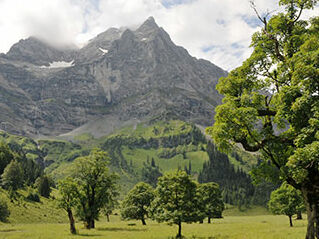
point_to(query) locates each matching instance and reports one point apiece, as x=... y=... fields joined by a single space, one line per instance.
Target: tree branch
x=266 y=112
x=247 y=146
x=299 y=15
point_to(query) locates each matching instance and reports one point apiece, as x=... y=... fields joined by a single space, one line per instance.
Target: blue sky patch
x=221 y=22
x=171 y=3
x=236 y=45
x=208 y=48
x=252 y=21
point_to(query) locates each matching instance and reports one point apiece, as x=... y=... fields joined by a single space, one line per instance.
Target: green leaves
x=271 y=102
x=90 y=188
x=12 y=177
x=286 y=200
x=176 y=199
x=69 y=193
x=211 y=199
x=304 y=158
x=137 y=202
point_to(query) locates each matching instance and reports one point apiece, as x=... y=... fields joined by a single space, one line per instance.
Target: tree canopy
x=176 y=200
x=6 y=156
x=12 y=177
x=211 y=198
x=286 y=200
x=137 y=202
x=271 y=102
x=95 y=185
x=69 y=199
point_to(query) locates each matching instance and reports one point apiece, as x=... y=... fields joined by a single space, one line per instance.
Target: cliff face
x=119 y=78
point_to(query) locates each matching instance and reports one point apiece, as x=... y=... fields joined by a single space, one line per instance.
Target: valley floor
x=231 y=227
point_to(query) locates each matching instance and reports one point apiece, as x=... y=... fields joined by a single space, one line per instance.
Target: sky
x=217 y=30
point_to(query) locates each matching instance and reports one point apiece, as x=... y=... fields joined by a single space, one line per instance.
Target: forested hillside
x=143 y=153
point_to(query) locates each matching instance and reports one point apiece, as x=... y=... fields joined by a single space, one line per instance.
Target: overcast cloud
x=219 y=31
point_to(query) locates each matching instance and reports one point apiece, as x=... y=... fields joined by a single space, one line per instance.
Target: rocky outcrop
x=120 y=77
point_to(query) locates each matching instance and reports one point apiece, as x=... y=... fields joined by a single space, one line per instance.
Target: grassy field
x=139 y=156
x=231 y=227
x=44 y=221
x=31 y=220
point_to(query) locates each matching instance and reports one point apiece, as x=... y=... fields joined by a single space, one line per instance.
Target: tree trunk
x=311 y=223
x=71 y=220
x=312 y=206
x=299 y=215
x=90 y=224
x=143 y=221
x=209 y=220
x=108 y=217
x=179 y=234
x=317 y=220
x=290 y=221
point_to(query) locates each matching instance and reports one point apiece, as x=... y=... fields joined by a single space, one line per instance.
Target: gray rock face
x=37 y=52
x=120 y=77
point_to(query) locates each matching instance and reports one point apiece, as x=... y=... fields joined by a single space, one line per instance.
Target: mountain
x=120 y=78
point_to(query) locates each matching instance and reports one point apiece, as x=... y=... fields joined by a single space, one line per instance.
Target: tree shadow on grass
x=88 y=235
x=10 y=230
x=120 y=229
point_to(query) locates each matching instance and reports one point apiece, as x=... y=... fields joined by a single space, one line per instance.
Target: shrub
x=4 y=210
x=33 y=196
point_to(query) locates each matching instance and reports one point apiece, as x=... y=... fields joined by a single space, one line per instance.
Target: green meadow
x=44 y=221
x=230 y=227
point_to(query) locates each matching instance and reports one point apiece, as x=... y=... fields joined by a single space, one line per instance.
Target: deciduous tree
x=137 y=202
x=210 y=196
x=95 y=184
x=271 y=102
x=69 y=199
x=12 y=177
x=4 y=210
x=176 y=200
x=286 y=200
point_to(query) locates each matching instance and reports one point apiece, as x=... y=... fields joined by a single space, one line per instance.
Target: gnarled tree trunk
x=312 y=205
x=71 y=220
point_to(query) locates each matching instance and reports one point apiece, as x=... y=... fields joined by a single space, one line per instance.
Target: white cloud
x=219 y=31
x=57 y=21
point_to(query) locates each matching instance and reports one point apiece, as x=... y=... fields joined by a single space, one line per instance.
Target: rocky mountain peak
x=119 y=78
x=37 y=52
x=148 y=28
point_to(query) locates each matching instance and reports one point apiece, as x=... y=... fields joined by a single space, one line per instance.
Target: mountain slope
x=120 y=78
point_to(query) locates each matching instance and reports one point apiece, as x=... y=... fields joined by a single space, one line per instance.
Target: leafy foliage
x=6 y=156
x=137 y=202
x=286 y=200
x=176 y=200
x=44 y=184
x=4 y=210
x=271 y=102
x=33 y=196
x=69 y=199
x=211 y=198
x=95 y=185
x=12 y=177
